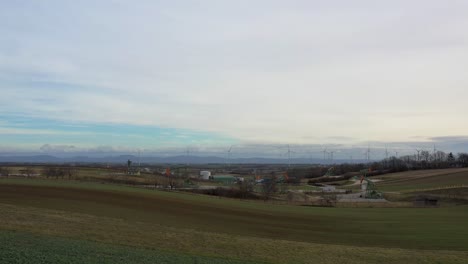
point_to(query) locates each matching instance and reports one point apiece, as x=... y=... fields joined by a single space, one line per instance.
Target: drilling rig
x=370 y=192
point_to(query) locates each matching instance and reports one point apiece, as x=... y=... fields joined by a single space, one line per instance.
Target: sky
x=114 y=75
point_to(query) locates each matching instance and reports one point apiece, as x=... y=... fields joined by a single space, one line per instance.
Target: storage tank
x=205 y=175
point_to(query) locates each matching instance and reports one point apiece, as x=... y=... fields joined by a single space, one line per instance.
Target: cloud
x=16 y=131
x=453 y=139
x=57 y=148
x=275 y=72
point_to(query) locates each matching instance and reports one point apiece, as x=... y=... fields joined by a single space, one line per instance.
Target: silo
x=205 y=175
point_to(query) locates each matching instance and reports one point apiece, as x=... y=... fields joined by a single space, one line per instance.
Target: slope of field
x=238 y=230
x=423 y=179
x=20 y=247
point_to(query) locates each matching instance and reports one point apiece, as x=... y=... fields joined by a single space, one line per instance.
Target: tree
x=246 y=187
x=269 y=186
x=463 y=159
x=54 y=172
x=172 y=182
x=70 y=172
x=425 y=155
x=439 y=156
x=29 y=171
x=4 y=171
x=450 y=158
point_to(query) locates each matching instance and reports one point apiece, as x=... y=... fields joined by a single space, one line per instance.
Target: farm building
x=225 y=179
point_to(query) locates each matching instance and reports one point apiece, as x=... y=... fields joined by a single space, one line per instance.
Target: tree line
x=422 y=160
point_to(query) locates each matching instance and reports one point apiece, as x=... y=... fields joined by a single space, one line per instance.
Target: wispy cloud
x=277 y=72
x=18 y=131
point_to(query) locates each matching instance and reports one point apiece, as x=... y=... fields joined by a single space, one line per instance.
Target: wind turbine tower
x=324 y=154
x=367 y=153
x=289 y=156
x=228 y=155
x=419 y=151
x=331 y=155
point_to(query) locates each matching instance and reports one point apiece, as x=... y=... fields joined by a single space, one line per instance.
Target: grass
x=239 y=230
x=411 y=181
x=186 y=242
x=445 y=197
x=424 y=179
x=20 y=247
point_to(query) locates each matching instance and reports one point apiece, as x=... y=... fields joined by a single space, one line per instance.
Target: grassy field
x=216 y=230
x=423 y=179
x=21 y=247
x=410 y=181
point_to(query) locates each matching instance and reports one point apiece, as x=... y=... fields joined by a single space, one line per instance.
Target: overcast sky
x=161 y=74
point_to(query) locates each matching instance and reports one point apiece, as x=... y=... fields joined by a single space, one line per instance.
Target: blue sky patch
x=22 y=130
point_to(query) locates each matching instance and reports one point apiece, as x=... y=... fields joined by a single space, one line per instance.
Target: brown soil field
x=295 y=223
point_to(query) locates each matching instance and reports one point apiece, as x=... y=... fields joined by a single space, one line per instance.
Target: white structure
x=205 y=175
x=364 y=186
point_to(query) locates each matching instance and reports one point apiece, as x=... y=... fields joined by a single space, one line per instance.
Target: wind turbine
x=418 y=151
x=434 y=150
x=325 y=152
x=228 y=155
x=289 y=155
x=367 y=153
x=331 y=154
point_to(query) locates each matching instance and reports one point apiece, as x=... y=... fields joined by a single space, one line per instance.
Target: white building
x=205 y=175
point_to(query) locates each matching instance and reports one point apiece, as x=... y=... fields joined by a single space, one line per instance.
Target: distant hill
x=31 y=159
x=162 y=160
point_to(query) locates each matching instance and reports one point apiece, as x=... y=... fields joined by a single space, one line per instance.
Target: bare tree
x=328 y=199
x=425 y=155
x=269 y=186
x=4 y=171
x=29 y=171
x=172 y=182
x=246 y=187
x=70 y=172
x=463 y=159
x=450 y=158
x=53 y=172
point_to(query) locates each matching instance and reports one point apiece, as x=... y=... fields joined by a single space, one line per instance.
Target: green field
x=20 y=247
x=201 y=229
